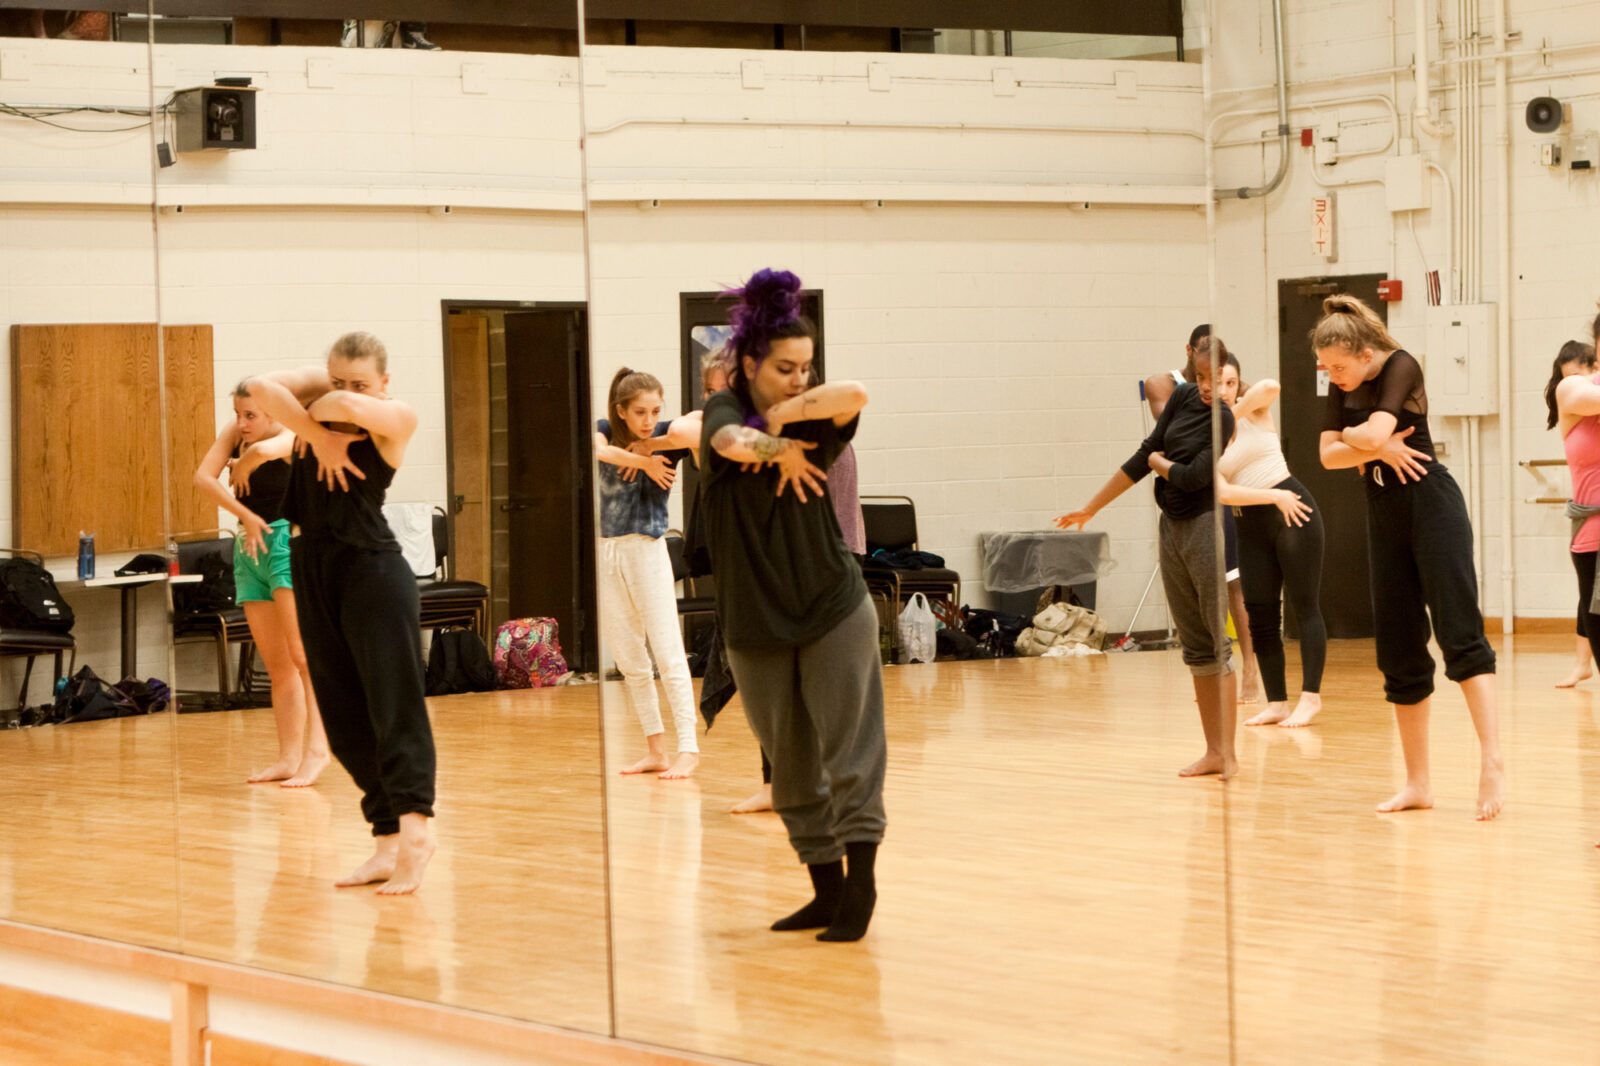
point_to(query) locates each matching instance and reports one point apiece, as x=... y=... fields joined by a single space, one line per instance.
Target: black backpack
x=459 y=662
x=215 y=591
x=87 y=698
x=29 y=598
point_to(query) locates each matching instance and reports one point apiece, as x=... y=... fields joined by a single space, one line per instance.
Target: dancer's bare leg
x=1275 y=713
x=288 y=708
x=411 y=862
x=314 y=757
x=1250 y=679
x=682 y=767
x=656 y=761
x=761 y=801
x=1412 y=720
x=1309 y=707
x=380 y=867
x=1582 y=666
x=1483 y=705
x=1216 y=696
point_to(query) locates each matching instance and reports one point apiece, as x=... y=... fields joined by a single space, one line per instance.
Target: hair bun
x=769 y=301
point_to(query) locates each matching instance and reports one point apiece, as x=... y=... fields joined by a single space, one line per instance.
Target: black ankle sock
x=827 y=879
x=860 y=895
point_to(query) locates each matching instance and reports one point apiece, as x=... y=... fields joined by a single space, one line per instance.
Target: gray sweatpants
x=1189 y=573
x=818 y=712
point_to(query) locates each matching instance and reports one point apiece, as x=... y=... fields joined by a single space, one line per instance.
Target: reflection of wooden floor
x=1051 y=893
x=511 y=919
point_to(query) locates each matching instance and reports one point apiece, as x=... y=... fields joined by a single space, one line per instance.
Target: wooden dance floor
x=1049 y=892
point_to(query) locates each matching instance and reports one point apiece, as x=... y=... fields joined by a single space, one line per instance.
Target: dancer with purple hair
x=800 y=630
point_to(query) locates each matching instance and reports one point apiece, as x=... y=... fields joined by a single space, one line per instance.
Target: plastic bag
x=918 y=631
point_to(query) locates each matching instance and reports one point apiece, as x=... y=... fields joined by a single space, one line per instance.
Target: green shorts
x=256 y=579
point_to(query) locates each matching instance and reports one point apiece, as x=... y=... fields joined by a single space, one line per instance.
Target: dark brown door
x=1340 y=495
x=549 y=451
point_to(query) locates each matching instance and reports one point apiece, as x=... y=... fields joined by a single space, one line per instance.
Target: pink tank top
x=1582 y=446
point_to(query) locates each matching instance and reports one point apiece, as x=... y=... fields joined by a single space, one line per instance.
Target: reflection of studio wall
x=1555 y=224
x=335 y=222
x=1001 y=329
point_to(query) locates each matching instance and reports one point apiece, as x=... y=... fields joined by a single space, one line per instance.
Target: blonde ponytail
x=1350 y=324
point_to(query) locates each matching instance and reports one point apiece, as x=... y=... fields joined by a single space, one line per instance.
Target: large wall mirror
x=995 y=242
x=419 y=183
x=89 y=845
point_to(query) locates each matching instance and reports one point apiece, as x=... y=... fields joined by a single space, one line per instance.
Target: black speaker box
x=1543 y=114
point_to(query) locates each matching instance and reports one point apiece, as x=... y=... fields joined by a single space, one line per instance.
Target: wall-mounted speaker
x=216 y=116
x=1544 y=114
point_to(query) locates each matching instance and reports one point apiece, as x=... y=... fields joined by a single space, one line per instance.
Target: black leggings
x=1588 y=624
x=358 y=613
x=1276 y=558
x=1419 y=543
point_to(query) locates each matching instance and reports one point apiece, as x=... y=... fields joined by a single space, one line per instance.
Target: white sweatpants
x=638 y=604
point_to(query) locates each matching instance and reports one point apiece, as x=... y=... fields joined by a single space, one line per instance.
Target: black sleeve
x=1195 y=474
x=721 y=410
x=1402 y=379
x=1138 y=465
x=1333 y=410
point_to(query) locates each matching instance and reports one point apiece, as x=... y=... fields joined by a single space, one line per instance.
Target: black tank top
x=354 y=517
x=268 y=486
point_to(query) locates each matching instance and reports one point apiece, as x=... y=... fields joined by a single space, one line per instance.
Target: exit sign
x=1322 y=227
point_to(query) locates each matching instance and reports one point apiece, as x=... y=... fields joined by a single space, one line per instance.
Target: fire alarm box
x=1460 y=360
x=215 y=116
x=1389 y=289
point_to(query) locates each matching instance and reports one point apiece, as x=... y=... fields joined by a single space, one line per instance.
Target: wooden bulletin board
x=86 y=452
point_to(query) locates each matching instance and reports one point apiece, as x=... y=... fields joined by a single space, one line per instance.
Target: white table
x=129 y=586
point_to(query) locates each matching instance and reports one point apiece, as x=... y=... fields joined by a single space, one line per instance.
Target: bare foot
x=1210 y=763
x=650 y=764
x=1410 y=798
x=1579 y=673
x=1491 y=789
x=278 y=771
x=762 y=801
x=1308 y=707
x=683 y=766
x=416 y=848
x=378 y=868
x=310 y=769
x=1275 y=713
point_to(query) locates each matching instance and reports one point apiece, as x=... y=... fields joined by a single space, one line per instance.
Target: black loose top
x=784 y=575
x=268 y=486
x=1182 y=434
x=353 y=517
x=1399 y=390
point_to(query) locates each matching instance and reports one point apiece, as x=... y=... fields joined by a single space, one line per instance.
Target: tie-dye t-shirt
x=637 y=506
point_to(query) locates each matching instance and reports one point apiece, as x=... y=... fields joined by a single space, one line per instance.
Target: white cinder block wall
x=325 y=227
x=1339 y=52
x=1001 y=327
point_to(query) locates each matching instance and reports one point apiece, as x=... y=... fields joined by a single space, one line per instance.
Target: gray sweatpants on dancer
x=818 y=711
x=1195 y=598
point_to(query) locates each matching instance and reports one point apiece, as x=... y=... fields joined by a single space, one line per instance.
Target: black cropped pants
x=1419 y=546
x=1279 y=560
x=358 y=612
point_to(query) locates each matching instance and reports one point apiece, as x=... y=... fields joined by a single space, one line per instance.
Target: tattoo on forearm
x=765 y=446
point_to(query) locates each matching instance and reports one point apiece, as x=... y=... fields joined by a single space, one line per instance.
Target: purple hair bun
x=769 y=301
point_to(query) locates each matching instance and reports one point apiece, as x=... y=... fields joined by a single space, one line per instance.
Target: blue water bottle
x=85 y=556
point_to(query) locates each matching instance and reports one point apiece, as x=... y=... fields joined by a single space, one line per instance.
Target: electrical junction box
x=1584 y=152
x=1405 y=183
x=1461 y=360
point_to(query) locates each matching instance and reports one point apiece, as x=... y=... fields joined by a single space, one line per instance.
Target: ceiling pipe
x=1248 y=192
x=1421 y=113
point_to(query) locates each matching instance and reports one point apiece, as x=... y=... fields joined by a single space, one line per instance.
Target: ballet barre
x=1534 y=466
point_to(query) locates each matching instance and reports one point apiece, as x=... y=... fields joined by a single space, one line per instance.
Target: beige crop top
x=1255 y=458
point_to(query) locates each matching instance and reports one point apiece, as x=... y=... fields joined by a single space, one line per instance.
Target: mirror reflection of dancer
x=358 y=598
x=639 y=454
x=1280 y=548
x=255 y=451
x=1157 y=391
x=1179 y=451
x=1419 y=542
x=800 y=630
x=1576 y=359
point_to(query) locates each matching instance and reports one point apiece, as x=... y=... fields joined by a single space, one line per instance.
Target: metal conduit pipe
x=1247 y=192
x=1508 y=578
x=1420 y=112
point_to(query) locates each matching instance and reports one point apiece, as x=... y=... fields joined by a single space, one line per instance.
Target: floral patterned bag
x=527 y=653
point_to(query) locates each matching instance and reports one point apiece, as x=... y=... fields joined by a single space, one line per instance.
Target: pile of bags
x=1063 y=629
